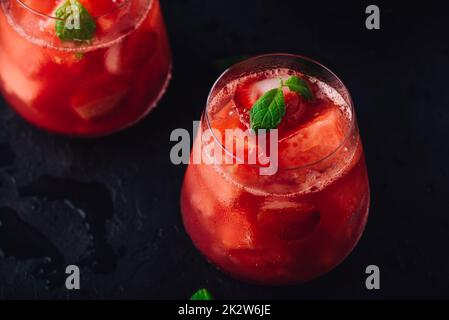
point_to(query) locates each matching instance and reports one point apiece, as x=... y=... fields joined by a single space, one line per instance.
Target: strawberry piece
x=98 y=98
x=313 y=141
x=294 y=110
x=248 y=93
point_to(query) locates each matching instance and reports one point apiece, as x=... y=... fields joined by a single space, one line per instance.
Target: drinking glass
x=300 y=222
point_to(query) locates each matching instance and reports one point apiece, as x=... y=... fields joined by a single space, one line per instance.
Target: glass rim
x=34 y=11
x=350 y=128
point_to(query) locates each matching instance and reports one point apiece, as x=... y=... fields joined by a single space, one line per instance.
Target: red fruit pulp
x=84 y=89
x=298 y=223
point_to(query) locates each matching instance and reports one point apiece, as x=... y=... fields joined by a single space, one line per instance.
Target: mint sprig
x=269 y=110
x=75 y=22
x=202 y=294
x=300 y=86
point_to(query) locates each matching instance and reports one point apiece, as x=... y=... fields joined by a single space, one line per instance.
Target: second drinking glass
x=83 y=67
x=302 y=221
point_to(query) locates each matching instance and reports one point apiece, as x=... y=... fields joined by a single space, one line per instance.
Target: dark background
x=111 y=205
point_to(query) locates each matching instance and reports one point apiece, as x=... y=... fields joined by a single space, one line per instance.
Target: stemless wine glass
x=86 y=88
x=302 y=221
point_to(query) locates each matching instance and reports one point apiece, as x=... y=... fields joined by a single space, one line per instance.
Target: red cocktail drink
x=93 y=83
x=300 y=222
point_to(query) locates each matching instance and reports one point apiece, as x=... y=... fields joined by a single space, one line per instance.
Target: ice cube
x=235 y=231
x=266 y=85
x=225 y=192
x=98 y=97
x=215 y=201
x=29 y=63
x=112 y=60
x=200 y=196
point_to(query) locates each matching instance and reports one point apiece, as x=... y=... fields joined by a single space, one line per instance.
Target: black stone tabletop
x=111 y=205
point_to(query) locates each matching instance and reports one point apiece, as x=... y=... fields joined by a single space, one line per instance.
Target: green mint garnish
x=300 y=86
x=76 y=23
x=269 y=109
x=202 y=294
x=225 y=63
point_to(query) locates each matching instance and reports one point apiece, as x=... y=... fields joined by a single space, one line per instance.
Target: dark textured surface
x=111 y=205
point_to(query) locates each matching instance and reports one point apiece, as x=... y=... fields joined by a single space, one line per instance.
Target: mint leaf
x=75 y=22
x=268 y=111
x=300 y=86
x=202 y=294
